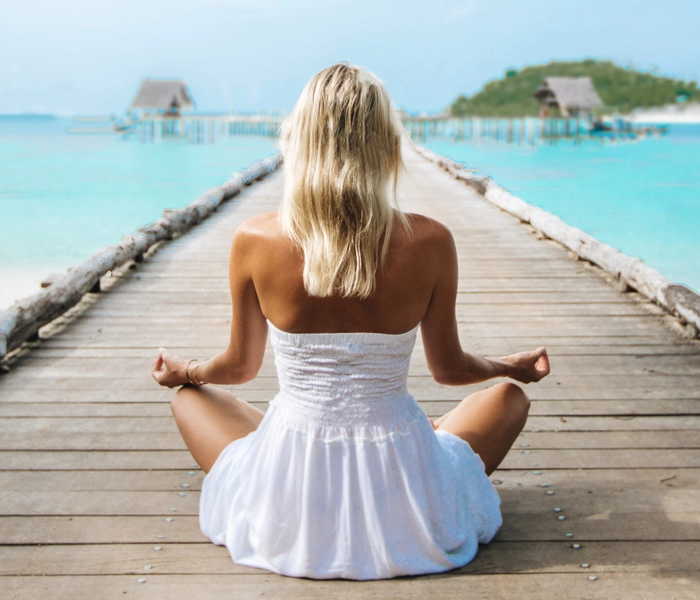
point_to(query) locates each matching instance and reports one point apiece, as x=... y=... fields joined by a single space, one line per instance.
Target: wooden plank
x=96 y=459
x=95 y=502
x=218 y=269
x=652 y=368
x=433 y=408
x=678 y=585
x=123 y=295
x=597 y=479
x=611 y=408
x=575 y=504
x=145 y=284
x=489 y=347
x=147 y=442
x=597 y=458
x=555 y=325
x=623 y=344
x=89 y=441
x=466 y=310
x=217 y=337
x=570 y=450
x=514 y=476
x=90 y=367
x=447 y=394
x=48 y=426
x=83 y=481
x=9 y=410
x=184 y=529
x=497 y=558
x=639 y=383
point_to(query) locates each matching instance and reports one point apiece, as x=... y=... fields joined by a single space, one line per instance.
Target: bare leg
x=489 y=420
x=209 y=419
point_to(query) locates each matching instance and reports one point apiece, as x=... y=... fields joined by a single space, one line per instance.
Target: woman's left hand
x=527 y=367
x=169 y=370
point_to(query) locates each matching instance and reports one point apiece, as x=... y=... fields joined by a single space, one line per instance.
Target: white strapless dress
x=345 y=477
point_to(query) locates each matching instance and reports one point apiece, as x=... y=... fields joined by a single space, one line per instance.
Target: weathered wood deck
x=93 y=468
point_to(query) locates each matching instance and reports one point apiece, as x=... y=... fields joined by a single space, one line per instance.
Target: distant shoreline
x=653 y=118
x=663 y=115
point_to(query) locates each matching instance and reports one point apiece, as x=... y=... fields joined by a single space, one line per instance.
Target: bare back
x=404 y=286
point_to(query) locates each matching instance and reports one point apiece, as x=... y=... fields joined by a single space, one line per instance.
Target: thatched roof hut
x=569 y=94
x=163 y=95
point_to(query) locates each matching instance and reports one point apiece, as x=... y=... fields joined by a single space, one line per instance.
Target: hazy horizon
x=76 y=57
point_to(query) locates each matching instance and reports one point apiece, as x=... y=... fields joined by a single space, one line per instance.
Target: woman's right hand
x=527 y=367
x=169 y=370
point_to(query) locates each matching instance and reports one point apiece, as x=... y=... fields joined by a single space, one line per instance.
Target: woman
x=345 y=476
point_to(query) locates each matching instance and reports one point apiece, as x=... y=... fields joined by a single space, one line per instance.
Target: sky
x=76 y=57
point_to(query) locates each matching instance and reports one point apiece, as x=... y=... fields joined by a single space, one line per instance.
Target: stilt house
x=571 y=96
x=165 y=96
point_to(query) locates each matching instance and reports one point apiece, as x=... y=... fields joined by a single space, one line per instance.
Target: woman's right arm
x=241 y=360
x=448 y=363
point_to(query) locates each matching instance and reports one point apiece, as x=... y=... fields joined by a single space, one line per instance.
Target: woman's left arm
x=241 y=360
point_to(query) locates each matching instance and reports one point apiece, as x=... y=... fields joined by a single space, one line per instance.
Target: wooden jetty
x=200 y=128
x=204 y=129
x=99 y=493
x=523 y=130
x=195 y=128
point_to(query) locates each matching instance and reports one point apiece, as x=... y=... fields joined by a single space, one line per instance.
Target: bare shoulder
x=256 y=230
x=252 y=240
x=429 y=232
x=264 y=225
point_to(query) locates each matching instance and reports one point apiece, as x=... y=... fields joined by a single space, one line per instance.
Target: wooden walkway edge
x=99 y=492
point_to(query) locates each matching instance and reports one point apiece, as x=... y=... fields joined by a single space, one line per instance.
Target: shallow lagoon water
x=642 y=197
x=63 y=197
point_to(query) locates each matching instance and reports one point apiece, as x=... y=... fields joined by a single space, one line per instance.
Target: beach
x=673 y=114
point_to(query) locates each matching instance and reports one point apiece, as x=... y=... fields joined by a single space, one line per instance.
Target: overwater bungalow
x=570 y=96
x=163 y=96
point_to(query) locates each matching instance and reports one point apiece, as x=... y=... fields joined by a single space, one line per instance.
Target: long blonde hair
x=342 y=154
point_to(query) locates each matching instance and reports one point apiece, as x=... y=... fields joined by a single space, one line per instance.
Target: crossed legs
x=490 y=420
x=210 y=418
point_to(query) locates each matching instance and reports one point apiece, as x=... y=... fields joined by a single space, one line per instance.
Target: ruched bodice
x=344 y=379
x=345 y=476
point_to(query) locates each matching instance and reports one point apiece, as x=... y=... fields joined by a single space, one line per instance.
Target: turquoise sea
x=63 y=196
x=642 y=197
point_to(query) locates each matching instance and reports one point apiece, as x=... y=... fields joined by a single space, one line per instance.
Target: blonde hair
x=342 y=153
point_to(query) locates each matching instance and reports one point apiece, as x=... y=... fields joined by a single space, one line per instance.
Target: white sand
x=670 y=114
x=16 y=284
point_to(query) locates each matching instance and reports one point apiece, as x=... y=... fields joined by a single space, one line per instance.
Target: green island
x=621 y=89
